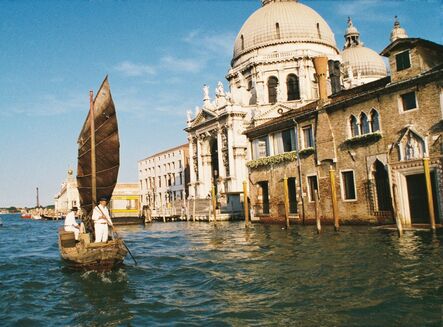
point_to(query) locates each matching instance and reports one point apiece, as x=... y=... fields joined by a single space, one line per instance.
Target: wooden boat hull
x=91 y=256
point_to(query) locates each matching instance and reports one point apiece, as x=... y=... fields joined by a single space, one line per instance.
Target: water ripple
x=193 y=274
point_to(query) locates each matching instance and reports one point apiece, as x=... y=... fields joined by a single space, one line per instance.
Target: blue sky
x=158 y=54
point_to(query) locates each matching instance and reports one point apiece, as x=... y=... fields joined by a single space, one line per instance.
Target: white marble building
x=68 y=196
x=271 y=72
x=163 y=177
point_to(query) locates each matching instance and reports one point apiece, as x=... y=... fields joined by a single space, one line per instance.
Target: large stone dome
x=282 y=21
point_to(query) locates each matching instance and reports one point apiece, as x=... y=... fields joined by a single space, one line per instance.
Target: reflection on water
x=201 y=274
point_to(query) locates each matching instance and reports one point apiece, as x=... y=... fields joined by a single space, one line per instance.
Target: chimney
x=334 y=75
x=320 y=65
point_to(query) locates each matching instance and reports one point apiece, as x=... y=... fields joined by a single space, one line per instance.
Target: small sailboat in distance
x=98 y=165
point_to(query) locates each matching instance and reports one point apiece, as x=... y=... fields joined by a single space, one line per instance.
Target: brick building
x=374 y=138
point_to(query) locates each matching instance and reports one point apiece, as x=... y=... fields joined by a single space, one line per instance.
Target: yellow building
x=125 y=204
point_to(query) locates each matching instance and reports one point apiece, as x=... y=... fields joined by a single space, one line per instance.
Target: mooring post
x=429 y=192
x=193 y=208
x=214 y=204
x=317 y=216
x=285 y=192
x=246 y=204
x=334 y=198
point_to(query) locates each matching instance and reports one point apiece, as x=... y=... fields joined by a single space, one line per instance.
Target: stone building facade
x=164 y=177
x=374 y=139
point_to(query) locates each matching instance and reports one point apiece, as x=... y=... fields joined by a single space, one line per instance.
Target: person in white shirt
x=71 y=224
x=102 y=219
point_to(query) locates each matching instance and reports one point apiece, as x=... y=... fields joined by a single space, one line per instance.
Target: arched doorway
x=381 y=178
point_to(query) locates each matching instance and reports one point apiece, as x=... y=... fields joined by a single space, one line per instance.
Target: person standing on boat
x=101 y=219
x=71 y=224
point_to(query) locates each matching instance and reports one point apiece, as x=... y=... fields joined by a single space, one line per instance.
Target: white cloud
x=365 y=10
x=183 y=65
x=211 y=41
x=134 y=70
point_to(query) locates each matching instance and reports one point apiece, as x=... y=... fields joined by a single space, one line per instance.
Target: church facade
x=299 y=108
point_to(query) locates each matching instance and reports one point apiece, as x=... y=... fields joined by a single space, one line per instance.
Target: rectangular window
x=348 y=185
x=312 y=187
x=292 y=194
x=288 y=137
x=403 y=60
x=308 y=137
x=260 y=148
x=408 y=101
x=179 y=164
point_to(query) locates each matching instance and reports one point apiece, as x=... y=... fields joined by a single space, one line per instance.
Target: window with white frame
x=403 y=60
x=348 y=185
x=408 y=101
x=364 y=124
x=284 y=141
x=308 y=137
x=375 y=120
x=312 y=187
x=260 y=148
x=353 y=126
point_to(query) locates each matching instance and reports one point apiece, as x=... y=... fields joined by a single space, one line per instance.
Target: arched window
x=293 y=87
x=364 y=123
x=375 y=121
x=242 y=42
x=354 y=126
x=272 y=89
x=277 y=30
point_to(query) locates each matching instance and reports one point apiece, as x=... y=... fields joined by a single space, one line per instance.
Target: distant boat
x=26 y=215
x=36 y=217
x=95 y=178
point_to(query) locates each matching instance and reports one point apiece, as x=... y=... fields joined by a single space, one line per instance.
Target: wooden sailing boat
x=98 y=164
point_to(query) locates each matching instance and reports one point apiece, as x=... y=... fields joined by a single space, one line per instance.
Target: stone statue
x=219 y=91
x=205 y=92
x=189 y=115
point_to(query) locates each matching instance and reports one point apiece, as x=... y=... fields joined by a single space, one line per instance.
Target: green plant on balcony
x=272 y=160
x=306 y=152
x=364 y=139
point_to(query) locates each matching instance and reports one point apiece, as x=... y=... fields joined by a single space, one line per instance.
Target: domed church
x=272 y=72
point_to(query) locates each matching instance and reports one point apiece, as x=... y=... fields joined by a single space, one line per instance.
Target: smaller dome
x=363 y=61
x=358 y=60
x=398 y=32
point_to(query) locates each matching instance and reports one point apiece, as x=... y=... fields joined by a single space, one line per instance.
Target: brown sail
x=96 y=177
x=107 y=146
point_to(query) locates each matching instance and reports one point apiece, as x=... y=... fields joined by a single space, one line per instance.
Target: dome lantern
x=352 y=35
x=265 y=2
x=398 y=32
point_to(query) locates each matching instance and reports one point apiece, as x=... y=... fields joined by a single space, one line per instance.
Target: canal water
x=196 y=274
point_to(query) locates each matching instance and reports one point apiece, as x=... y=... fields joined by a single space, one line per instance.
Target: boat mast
x=38 y=202
x=93 y=167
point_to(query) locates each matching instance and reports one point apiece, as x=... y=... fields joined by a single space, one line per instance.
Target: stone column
x=221 y=166
x=199 y=167
x=230 y=148
x=192 y=177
